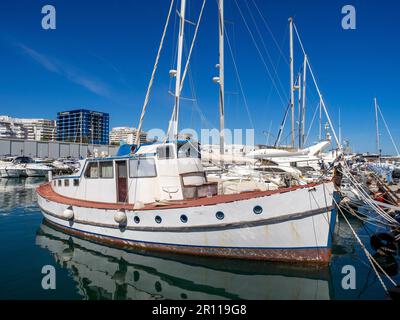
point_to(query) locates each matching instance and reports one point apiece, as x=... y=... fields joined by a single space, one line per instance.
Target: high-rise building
x=83 y=126
x=39 y=129
x=127 y=135
x=28 y=129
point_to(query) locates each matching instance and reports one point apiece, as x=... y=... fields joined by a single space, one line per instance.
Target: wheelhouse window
x=142 y=168
x=106 y=169
x=92 y=170
x=165 y=152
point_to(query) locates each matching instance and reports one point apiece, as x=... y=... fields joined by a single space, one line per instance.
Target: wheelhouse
x=153 y=173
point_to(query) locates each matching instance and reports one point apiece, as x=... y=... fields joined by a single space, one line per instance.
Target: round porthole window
x=158 y=219
x=184 y=218
x=258 y=210
x=220 y=215
x=136 y=219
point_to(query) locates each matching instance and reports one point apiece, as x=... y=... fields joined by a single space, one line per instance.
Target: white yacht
x=37 y=170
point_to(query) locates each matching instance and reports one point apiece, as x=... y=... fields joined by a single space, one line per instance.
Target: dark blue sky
x=101 y=55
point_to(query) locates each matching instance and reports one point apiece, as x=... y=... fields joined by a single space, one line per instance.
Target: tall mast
x=378 y=147
x=178 y=70
x=221 y=79
x=146 y=99
x=340 y=127
x=300 y=116
x=292 y=78
x=303 y=107
x=320 y=120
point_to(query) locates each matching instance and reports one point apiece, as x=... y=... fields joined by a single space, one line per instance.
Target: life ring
x=383 y=243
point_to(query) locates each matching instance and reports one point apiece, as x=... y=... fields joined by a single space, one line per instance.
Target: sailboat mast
x=340 y=127
x=179 y=69
x=303 y=107
x=300 y=115
x=320 y=120
x=221 y=79
x=378 y=147
x=292 y=79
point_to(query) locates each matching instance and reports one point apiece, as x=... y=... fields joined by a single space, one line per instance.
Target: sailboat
x=156 y=196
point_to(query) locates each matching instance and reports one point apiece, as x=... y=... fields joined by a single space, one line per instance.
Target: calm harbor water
x=86 y=270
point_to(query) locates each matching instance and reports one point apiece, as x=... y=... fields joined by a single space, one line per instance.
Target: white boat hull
x=294 y=226
x=36 y=172
x=12 y=173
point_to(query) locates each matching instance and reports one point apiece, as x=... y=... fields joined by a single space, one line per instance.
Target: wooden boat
x=157 y=197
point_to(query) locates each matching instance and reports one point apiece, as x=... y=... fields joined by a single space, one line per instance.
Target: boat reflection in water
x=103 y=272
x=19 y=193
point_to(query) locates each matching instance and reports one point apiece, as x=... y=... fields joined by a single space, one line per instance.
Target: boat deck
x=47 y=192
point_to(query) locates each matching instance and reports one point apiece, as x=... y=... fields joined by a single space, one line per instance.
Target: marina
x=204 y=212
x=89 y=270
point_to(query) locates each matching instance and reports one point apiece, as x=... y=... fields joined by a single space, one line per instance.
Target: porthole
x=158 y=219
x=184 y=218
x=136 y=219
x=258 y=210
x=220 y=215
x=136 y=276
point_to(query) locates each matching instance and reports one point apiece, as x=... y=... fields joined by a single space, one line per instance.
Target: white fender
x=120 y=217
x=68 y=213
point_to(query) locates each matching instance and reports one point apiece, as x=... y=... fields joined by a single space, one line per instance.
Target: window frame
x=131 y=176
x=112 y=171
x=88 y=165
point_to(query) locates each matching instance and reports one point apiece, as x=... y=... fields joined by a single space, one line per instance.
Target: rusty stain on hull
x=320 y=256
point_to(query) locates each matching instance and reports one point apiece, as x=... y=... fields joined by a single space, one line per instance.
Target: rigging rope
x=387 y=128
x=175 y=110
x=261 y=56
x=146 y=100
x=371 y=259
x=239 y=81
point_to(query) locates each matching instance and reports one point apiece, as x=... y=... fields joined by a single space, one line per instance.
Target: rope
x=387 y=128
x=176 y=109
x=261 y=56
x=146 y=100
x=239 y=81
x=318 y=90
x=371 y=259
x=367 y=198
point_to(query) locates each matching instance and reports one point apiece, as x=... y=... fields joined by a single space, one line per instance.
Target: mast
x=340 y=128
x=320 y=121
x=303 y=107
x=175 y=116
x=378 y=147
x=221 y=80
x=146 y=99
x=300 y=115
x=292 y=78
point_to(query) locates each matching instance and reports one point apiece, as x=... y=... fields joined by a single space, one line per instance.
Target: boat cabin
x=154 y=172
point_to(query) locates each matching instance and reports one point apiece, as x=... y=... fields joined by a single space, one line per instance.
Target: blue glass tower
x=83 y=126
